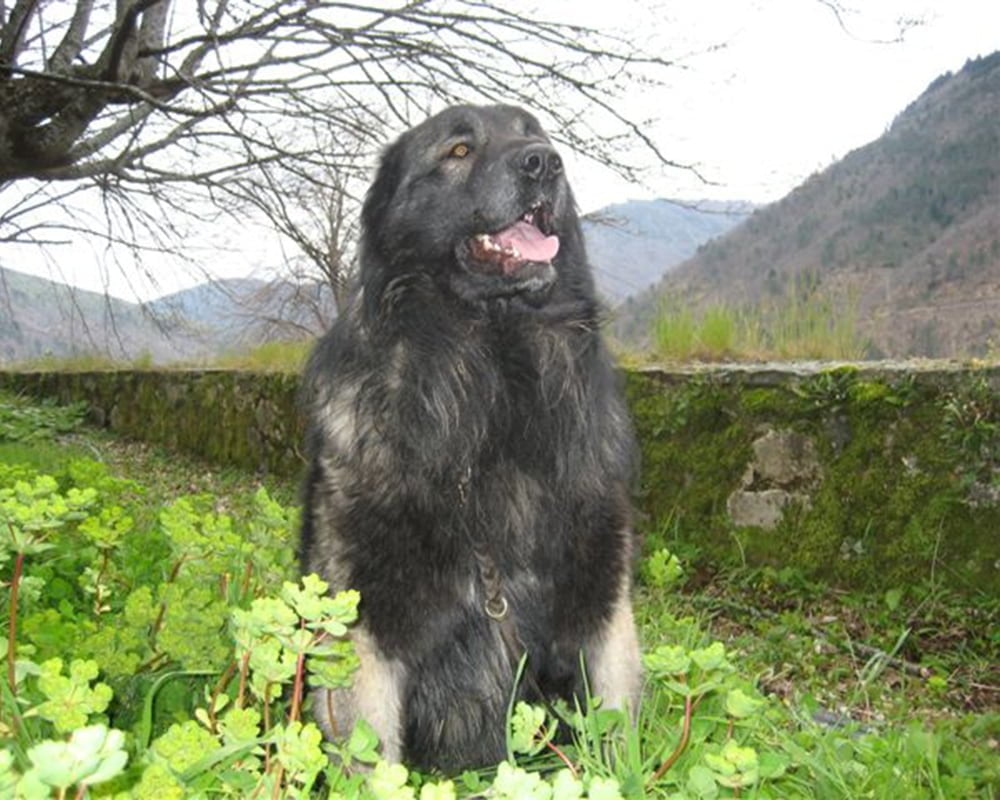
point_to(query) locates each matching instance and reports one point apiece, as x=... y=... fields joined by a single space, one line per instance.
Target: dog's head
x=476 y=198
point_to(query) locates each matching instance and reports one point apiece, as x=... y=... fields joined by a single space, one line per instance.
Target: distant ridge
x=633 y=244
x=41 y=318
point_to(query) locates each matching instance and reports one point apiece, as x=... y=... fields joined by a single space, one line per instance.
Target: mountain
x=245 y=311
x=40 y=317
x=216 y=311
x=209 y=303
x=906 y=229
x=633 y=244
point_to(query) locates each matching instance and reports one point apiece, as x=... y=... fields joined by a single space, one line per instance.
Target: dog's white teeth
x=487 y=242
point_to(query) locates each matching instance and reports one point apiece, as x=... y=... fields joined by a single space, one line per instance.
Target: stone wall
x=869 y=475
x=244 y=419
x=874 y=475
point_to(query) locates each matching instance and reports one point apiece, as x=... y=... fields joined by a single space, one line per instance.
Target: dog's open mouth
x=528 y=240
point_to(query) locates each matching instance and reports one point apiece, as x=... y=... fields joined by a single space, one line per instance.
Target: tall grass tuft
x=278 y=356
x=719 y=330
x=802 y=324
x=674 y=331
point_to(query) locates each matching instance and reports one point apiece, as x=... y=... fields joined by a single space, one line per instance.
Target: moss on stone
x=891 y=507
x=241 y=419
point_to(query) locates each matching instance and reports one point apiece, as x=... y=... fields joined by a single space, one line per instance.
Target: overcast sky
x=790 y=90
x=765 y=93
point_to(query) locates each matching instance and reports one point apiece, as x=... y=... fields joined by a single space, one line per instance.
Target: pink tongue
x=531 y=243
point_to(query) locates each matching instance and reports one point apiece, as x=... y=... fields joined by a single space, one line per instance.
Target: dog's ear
x=375 y=261
x=381 y=193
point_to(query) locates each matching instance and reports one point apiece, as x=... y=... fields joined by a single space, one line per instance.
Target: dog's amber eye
x=460 y=150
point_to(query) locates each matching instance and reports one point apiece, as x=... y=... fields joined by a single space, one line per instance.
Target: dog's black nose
x=540 y=161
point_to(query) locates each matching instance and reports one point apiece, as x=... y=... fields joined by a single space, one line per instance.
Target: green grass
x=913 y=654
x=802 y=325
x=882 y=696
x=279 y=356
x=42 y=456
x=675 y=333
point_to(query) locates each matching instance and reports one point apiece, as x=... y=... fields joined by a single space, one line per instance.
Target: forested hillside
x=904 y=232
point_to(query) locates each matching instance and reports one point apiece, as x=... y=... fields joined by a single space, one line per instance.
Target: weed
x=972 y=429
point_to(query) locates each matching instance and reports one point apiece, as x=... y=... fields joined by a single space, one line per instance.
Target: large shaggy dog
x=470 y=452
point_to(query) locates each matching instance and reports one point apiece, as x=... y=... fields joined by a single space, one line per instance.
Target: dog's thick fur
x=465 y=403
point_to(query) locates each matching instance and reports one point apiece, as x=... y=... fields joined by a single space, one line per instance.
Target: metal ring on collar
x=496 y=607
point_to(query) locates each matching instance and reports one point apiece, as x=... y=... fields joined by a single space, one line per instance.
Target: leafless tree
x=319 y=218
x=143 y=122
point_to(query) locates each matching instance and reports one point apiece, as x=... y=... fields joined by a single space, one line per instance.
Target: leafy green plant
x=972 y=429
x=30 y=513
x=159 y=650
x=69 y=699
x=92 y=756
x=829 y=389
x=23 y=421
x=662 y=569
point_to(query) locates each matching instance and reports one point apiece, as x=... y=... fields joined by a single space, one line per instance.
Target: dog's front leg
x=613 y=661
x=376 y=695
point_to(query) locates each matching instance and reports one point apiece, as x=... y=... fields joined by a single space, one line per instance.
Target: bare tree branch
x=841 y=13
x=72 y=43
x=412 y=55
x=134 y=122
x=14 y=27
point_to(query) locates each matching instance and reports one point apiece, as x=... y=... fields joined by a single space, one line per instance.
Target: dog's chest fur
x=486 y=437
